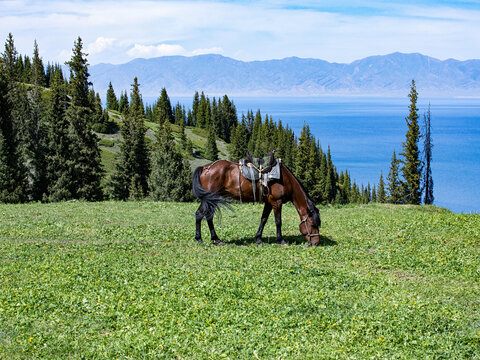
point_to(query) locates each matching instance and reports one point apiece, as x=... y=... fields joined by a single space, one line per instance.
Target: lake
x=363 y=132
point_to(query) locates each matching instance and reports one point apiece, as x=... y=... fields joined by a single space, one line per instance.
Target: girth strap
x=250 y=169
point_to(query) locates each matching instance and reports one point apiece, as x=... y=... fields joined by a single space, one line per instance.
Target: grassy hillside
x=110 y=143
x=126 y=280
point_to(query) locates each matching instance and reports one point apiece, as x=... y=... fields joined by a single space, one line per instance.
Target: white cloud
x=101 y=44
x=149 y=51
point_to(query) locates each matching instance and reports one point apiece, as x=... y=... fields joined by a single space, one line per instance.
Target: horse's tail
x=211 y=201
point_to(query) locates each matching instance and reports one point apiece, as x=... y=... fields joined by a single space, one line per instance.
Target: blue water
x=363 y=132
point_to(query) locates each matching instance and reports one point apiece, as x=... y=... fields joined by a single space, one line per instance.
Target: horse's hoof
x=283 y=242
x=218 y=242
x=258 y=241
x=199 y=241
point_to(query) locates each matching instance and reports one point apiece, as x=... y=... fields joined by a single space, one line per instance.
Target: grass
x=110 y=143
x=127 y=280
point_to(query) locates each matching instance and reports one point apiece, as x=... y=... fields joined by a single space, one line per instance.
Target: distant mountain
x=387 y=75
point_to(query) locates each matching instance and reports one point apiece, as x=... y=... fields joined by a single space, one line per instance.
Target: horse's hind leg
x=214 y=236
x=198 y=222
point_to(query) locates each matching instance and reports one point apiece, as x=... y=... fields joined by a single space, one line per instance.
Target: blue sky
x=340 y=31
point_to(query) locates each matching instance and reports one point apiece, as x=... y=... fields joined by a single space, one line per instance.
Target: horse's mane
x=310 y=204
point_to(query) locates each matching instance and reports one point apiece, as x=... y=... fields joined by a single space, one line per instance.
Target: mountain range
x=382 y=75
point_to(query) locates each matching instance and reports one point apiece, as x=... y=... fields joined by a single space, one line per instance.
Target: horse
x=217 y=182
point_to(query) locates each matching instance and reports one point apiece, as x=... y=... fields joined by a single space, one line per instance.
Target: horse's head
x=310 y=224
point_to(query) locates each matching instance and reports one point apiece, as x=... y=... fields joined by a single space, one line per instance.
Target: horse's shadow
x=290 y=240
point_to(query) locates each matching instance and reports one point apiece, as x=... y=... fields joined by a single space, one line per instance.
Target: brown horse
x=215 y=181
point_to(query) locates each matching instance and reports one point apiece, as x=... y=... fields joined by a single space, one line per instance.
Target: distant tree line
x=49 y=150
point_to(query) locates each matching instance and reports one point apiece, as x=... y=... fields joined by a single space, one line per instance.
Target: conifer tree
x=38 y=71
x=381 y=195
x=239 y=142
x=10 y=59
x=203 y=112
x=59 y=156
x=412 y=169
x=330 y=188
x=82 y=181
x=79 y=84
x=170 y=179
x=211 y=149
x=395 y=190
x=195 y=106
x=85 y=161
x=38 y=132
x=427 y=153
x=179 y=114
x=164 y=112
x=112 y=101
x=123 y=103
x=303 y=154
x=255 y=132
x=132 y=170
x=374 y=194
x=13 y=175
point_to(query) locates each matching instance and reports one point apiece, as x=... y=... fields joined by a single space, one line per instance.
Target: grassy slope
x=197 y=136
x=127 y=280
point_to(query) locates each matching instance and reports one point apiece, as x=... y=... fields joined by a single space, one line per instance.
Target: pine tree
x=38 y=132
x=130 y=180
x=203 y=112
x=112 y=102
x=303 y=154
x=381 y=195
x=374 y=194
x=195 y=106
x=10 y=59
x=179 y=114
x=239 y=142
x=211 y=149
x=13 y=175
x=412 y=169
x=123 y=105
x=79 y=76
x=59 y=155
x=38 y=71
x=256 y=128
x=170 y=179
x=85 y=160
x=427 y=153
x=82 y=179
x=164 y=112
x=394 y=186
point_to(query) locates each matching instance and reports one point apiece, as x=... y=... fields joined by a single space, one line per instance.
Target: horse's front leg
x=277 y=211
x=267 y=209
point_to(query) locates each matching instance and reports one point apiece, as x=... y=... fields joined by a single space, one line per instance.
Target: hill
x=386 y=75
x=127 y=280
x=110 y=143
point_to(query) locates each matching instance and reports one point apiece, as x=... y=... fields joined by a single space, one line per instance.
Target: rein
x=310 y=235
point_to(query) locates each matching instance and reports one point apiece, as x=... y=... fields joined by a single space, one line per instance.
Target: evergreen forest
x=59 y=142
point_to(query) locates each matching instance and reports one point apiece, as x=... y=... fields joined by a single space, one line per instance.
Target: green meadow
x=126 y=280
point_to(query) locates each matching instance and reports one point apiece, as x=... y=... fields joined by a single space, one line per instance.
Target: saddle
x=256 y=172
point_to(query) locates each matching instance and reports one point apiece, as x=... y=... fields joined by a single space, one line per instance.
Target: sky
x=337 y=31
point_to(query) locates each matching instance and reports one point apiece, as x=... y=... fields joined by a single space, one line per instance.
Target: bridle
x=310 y=235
